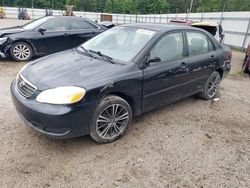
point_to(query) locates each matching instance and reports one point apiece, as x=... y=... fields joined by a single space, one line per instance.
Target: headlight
x=3 y=40
x=61 y=95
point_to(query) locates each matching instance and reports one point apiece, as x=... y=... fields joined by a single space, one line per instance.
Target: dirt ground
x=191 y=143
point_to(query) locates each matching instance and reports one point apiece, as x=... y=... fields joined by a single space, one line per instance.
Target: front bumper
x=3 y=50
x=57 y=121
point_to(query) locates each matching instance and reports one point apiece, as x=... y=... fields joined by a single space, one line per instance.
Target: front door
x=54 y=38
x=166 y=81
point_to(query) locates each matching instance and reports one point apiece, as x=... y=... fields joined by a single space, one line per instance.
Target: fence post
x=246 y=34
x=221 y=18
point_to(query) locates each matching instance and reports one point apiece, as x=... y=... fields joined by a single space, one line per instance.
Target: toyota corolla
x=97 y=88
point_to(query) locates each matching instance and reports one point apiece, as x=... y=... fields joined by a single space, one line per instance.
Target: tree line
x=136 y=6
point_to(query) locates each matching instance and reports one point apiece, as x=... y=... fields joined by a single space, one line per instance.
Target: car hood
x=11 y=30
x=69 y=68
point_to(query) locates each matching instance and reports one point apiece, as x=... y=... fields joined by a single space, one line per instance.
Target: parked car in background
x=107 y=24
x=126 y=71
x=181 y=22
x=246 y=63
x=213 y=28
x=47 y=35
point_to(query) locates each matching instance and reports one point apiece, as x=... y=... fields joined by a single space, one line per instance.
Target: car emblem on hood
x=22 y=84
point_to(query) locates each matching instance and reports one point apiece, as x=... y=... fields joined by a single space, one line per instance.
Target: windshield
x=36 y=23
x=121 y=43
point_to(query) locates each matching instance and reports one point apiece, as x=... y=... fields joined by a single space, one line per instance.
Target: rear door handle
x=65 y=34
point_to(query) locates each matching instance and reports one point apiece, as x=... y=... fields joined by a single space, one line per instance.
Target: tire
x=21 y=51
x=211 y=86
x=105 y=125
x=245 y=68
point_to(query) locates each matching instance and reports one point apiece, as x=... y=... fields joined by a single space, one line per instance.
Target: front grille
x=25 y=88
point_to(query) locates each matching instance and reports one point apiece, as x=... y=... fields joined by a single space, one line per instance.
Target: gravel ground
x=191 y=143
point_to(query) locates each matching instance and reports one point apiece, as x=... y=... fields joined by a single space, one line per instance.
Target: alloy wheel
x=21 y=52
x=112 y=121
x=213 y=85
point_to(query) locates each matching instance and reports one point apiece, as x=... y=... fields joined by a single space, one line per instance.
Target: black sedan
x=99 y=87
x=47 y=35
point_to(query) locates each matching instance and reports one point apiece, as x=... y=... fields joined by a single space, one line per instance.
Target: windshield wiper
x=105 y=57
x=86 y=51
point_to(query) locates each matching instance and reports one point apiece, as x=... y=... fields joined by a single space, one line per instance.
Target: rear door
x=81 y=30
x=203 y=58
x=54 y=39
x=166 y=81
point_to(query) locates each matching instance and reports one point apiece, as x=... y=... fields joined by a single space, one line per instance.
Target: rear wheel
x=211 y=86
x=111 y=119
x=21 y=51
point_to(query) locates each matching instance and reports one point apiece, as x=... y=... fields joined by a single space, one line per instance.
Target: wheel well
x=126 y=97
x=220 y=71
x=33 y=48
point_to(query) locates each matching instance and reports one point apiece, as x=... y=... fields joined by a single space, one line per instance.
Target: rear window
x=198 y=43
x=81 y=24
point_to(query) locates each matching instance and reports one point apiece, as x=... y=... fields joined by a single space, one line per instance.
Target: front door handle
x=65 y=34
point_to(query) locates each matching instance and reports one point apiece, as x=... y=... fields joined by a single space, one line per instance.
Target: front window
x=169 y=48
x=57 y=25
x=36 y=23
x=121 y=43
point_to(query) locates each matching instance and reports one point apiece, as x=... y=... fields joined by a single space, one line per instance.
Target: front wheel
x=111 y=119
x=211 y=86
x=21 y=51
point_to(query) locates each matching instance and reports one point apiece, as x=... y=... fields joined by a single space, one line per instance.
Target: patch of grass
x=238 y=49
x=236 y=73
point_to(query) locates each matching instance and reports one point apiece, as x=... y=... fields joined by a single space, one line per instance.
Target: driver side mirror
x=41 y=30
x=153 y=60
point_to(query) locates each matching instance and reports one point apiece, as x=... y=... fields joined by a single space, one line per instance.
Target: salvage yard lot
x=191 y=143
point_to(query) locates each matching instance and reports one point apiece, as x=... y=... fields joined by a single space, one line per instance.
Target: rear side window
x=198 y=43
x=169 y=48
x=80 y=24
x=57 y=25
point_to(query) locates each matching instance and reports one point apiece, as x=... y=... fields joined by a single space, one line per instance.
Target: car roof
x=159 y=27
x=65 y=17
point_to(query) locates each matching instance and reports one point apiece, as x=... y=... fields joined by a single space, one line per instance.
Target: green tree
x=72 y=2
x=108 y=6
x=158 y=6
